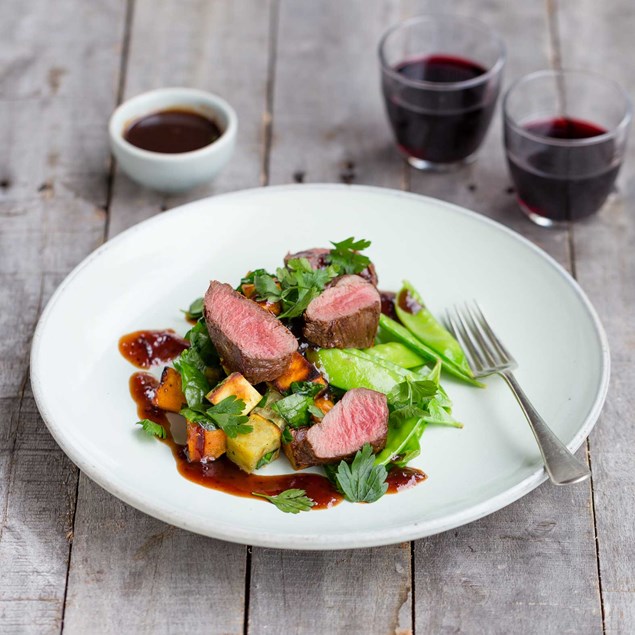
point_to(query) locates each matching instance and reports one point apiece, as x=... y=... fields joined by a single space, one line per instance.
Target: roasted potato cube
x=204 y=445
x=299 y=369
x=169 y=395
x=247 y=450
x=238 y=386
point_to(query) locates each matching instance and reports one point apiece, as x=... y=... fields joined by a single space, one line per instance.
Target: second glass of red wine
x=441 y=77
x=565 y=136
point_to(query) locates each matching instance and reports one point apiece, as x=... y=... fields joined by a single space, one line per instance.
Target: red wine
x=565 y=182
x=440 y=126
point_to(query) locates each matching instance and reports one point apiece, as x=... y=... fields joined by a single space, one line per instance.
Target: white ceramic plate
x=141 y=278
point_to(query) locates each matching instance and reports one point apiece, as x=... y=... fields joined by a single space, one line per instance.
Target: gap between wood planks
x=267 y=134
x=555 y=59
x=123 y=67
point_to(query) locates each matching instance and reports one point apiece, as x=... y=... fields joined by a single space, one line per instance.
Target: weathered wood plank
x=599 y=37
x=301 y=592
x=53 y=188
x=328 y=121
x=328 y=126
x=485 y=186
x=530 y=567
x=218 y=46
x=134 y=583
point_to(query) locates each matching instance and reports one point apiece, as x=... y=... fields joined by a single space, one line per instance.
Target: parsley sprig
x=226 y=415
x=346 y=257
x=291 y=501
x=152 y=429
x=361 y=481
x=422 y=399
x=294 y=286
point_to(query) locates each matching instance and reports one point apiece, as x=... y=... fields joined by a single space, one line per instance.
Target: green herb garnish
x=152 y=429
x=346 y=257
x=195 y=311
x=291 y=501
x=287 y=437
x=361 y=481
x=294 y=286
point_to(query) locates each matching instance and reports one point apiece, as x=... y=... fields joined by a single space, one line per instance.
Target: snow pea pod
x=414 y=315
x=402 y=444
x=406 y=337
x=345 y=369
x=396 y=353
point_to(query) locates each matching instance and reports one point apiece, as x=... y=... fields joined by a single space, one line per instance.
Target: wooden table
x=303 y=76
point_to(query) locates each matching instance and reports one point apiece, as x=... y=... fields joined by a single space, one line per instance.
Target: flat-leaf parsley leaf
x=362 y=481
x=346 y=258
x=291 y=501
x=152 y=429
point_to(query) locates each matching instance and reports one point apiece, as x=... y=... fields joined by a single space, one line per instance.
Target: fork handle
x=561 y=465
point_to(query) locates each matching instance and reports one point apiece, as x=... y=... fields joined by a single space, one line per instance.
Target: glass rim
x=495 y=68
x=568 y=143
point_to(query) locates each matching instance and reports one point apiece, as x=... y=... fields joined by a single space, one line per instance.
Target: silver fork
x=487 y=356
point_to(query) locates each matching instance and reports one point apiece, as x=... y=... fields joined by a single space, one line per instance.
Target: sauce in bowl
x=172 y=131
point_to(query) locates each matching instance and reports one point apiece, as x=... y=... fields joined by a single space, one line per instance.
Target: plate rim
x=314 y=541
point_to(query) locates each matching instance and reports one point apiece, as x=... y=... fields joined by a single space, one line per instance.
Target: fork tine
x=467 y=341
x=486 y=348
x=503 y=352
x=453 y=326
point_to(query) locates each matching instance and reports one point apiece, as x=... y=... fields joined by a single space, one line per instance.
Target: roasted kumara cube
x=204 y=445
x=238 y=386
x=299 y=369
x=169 y=395
x=324 y=403
x=249 y=451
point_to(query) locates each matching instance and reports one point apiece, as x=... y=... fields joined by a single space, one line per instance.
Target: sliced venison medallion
x=346 y=315
x=249 y=339
x=360 y=417
x=318 y=258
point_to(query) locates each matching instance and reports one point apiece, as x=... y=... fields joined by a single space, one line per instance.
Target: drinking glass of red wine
x=440 y=78
x=565 y=136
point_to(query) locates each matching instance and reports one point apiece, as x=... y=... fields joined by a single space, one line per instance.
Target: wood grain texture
x=469 y=580
x=328 y=125
x=328 y=120
x=606 y=269
x=53 y=189
x=219 y=46
x=303 y=592
x=485 y=186
x=129 y=571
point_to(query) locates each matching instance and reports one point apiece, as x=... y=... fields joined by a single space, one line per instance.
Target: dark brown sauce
x=225 y=476
x=401 y=478
x=147 y=348
x=143 y=386
x=406 y=302
x=388 y=304
x=172 y=131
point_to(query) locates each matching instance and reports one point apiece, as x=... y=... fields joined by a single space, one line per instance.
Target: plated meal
x=312 y=363
x=140 y=279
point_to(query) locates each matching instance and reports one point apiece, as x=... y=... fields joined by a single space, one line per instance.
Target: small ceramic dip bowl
x=173 y=171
